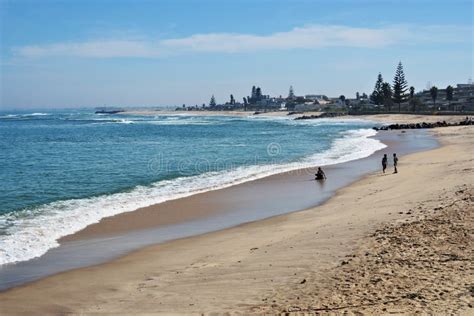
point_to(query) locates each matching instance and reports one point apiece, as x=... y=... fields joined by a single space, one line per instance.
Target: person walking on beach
x=384 y=162
x=395 y=163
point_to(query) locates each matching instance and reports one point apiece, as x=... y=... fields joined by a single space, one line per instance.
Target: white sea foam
x=12 y=116
x=183 y=122
x=37 y=114
x=8 y=116
x=32 y=233
x=24 y=115
x=124 y=121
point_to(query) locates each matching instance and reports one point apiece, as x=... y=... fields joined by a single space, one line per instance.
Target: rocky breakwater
x=322 y=115
x=466 y=121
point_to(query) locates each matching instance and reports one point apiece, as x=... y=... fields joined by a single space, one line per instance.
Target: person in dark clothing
x=395 y=163
x=320 y=175
x=384 y=162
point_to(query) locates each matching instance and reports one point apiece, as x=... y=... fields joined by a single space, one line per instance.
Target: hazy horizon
x=168 y=53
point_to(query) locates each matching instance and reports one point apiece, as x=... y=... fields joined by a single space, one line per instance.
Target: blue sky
x=148 y=53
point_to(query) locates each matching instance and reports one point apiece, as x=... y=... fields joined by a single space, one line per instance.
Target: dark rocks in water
x=108 y=112
x=465 y=122
x=322 y=115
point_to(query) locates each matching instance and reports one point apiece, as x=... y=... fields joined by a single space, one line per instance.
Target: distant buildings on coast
x=460 y=99
x=386 y=98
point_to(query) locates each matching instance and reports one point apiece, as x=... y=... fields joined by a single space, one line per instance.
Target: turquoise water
x=63 y=170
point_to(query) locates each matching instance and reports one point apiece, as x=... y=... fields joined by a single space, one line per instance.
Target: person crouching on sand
x=384 y=162
x=395 y=163
x=320 y=175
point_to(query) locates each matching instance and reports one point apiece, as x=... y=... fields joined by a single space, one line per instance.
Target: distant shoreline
x=382 y=118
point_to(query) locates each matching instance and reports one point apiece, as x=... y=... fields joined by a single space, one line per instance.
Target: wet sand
x=273 y=195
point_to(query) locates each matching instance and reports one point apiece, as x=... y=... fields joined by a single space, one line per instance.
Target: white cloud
x=92 y=49
x=308 y=37
x=305 y=37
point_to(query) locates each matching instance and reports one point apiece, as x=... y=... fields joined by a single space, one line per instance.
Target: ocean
x=63 y=170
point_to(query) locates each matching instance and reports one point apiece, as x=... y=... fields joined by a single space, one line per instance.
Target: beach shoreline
x=205 y=212
x=213 y=202
x=166 y=170
x=264 y=228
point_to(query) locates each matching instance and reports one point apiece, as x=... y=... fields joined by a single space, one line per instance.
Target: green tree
x=291 y=93
x=258 y=94
x=387 y=95
x=212 y=103
x=377 y=95
x=399 y=86
x=449 y=94
x=232 y=100
x=357 y=95
x=434 y=94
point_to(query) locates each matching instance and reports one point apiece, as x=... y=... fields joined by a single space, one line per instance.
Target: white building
x=320 y=98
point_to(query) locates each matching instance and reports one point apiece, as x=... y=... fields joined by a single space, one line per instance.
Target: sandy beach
x=236 y=158
x=386 y=243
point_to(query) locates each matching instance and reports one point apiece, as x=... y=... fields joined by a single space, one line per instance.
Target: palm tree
x=449 y=94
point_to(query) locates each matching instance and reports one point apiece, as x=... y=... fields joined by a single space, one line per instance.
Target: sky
x=71 y=53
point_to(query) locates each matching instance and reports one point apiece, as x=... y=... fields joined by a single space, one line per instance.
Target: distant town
x=395 y=97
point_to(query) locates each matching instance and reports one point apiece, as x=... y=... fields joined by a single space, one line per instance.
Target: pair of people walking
x=385 y=163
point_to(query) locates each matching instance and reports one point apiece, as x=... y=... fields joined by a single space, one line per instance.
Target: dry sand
x=309 y=260
x=420 y=264
x=411 y=118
